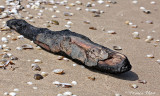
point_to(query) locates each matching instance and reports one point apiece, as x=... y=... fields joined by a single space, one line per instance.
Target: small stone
x=14 y=58
x=55 y=22
x=60 y=95
x=86 y=22
x=66 y=59
x=92 y=78
x=20 y=37
x=149 y=39
x=78 y=2
x=117 y=48
x=38 y=77
x=134 y=26
x=26 y=46
x=147 y=11
x=58 y=71
x=60 y=57
x=69 y=23
x=93 y=28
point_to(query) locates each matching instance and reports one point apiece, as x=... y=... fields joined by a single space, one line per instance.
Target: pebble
x=66 y=59
x=12 y=94
x=2 y=8
x=92 y=78
x=69 y=23
x=135 y=2
x=35 y=67
x=37 y=61
x=78 y=8
x=63 y=85
x=86 y=22
x=93 y=28
x=58 y=71
x=38 y=77
x=55 y=22
x=146 y=11
x=100 y=1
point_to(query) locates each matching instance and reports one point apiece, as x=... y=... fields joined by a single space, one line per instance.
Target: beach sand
x=113 y=18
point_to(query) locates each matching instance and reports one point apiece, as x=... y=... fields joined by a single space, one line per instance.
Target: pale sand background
x=104 y=85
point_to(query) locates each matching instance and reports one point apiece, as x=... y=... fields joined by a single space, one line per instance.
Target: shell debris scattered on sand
x=58 y=71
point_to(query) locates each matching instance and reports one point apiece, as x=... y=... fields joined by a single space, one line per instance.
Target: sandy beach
x=124 y=17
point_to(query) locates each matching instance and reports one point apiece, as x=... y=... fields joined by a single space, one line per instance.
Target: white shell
x=35 y=88
x=29 y=83
x=74 y=82
x=44 y=74
x=37 y=61
x=35 y=67
x=4 y=40
x=56 y=83
x=111 y=32
x=16 y=90
x=58 y=71
x=149 y=39
x=74 y=65
x=135 y=1
x=117 y=48
x=153 y=2
x=67 y=26
x=100 y=1
x=5 y=93
x=69 y=23
x=136 y=35
x=12 y=94
x=18 y=48
x=20 y=37
x=67 y=93
x=60 y=95
x=78 y=2
x=134 y=86
x=117 y=95
x=150 y=56
x=158 y=61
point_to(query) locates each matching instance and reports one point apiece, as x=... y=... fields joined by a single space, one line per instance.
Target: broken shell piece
x=35 y=67
x=14 y=58
x=134 y=86
x=117 y=95
x=66 y=85
x=150 y=56
x=4 y=40
x=29 y=83
x=5 y=28
x=27 y=46
x=117 y=48
x=149 y=22
x=44 y=74
x=111 y=32
x=158 y=61
x=37 y=61
x=142 y=81
x=4 y=15
x=67 y=14
x=136 y=35
x=146 y=11
x=58 y=71
x=18 y=48
x=55 y=22
x=20 y=37
x=2 y=8
x=74 y=82
x=12 y=94
x=134 y=26
x=86 y=22
x=60 y=57
x=66 y=59
x=92 y=78
x=127 y=22
x=67 y=93
x=93 y=28
x=149 y=39
x=38 y=77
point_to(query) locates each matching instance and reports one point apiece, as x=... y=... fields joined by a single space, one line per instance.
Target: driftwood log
x=76 y=46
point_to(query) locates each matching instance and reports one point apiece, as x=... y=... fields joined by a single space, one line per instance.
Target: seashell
x=35 y=88
x=100 y=1
x=142 y=81
x=4 y=40
x=93 y=28
x=35 y=67
x=133 y=86
x=37 y=61
x=20 y=37
x=142 y=8
x=86 y=22
x=2 y=8
x=29 y=83
x=96 y=15
x=16 y=90
x=12 y=94
x=27 y=46
x=74 y=65
x=54 y=22
x=65 y=85
x=18 y=48
x=136 y=35
x=150 y=56
x=149 y=22
x=74 y=82
x=5 y=28
x=127 y=22
x=56 y=83
x=14 y=58
x=146 y=11
x=68 y=14
x=69 y=23
x=5 y=56
x=68 y=26
x=58 y=71
x=152 y=2
x=89 y=4
x=67 y=93
x=92 y=78
x=38 y=77
x=78 y=8
x=117 y=48
x=4 y=15
x=134 y=26
x=107 y=5
x=1 y=47
x=54 y=16
x=60 y=57
x=66 y=59
x=111 y=32
x=71 y=4
x=6 y=93
x=39 y=48
x=78 y=2
x=149 y=39
x=44 y=74
x=61 y=95
x=134 y=2
x=95 y=11
x=117 y=95
x=158 y=61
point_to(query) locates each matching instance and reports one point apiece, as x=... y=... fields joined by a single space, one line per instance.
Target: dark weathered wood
x=76 y=46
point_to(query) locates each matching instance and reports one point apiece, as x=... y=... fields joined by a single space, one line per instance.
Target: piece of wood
x=76 y=46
